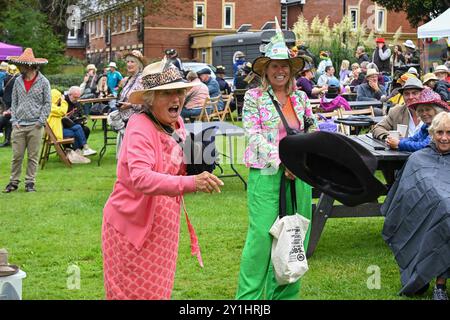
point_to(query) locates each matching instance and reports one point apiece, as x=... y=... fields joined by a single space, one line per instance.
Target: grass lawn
x=60 y=225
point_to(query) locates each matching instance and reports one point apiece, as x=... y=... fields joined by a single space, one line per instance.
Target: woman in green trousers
x=264 y=130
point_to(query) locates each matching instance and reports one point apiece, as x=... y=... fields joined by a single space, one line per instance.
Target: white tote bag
x=288 y=250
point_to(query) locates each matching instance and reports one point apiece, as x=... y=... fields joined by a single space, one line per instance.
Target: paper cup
x=403 y=129
x=394 y=134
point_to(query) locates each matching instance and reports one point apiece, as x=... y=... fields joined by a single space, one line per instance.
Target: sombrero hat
x=160 y=75
x=334 y=164
x=6 y=269
x=27 y=57
x=276 y=49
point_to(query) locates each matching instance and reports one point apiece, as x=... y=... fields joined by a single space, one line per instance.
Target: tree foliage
x=22 y=23
x=417 y=10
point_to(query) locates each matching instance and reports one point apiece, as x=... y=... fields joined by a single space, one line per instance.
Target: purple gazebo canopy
x=9 y=50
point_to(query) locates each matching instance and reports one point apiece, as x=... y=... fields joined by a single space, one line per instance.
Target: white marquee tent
x=439 y=27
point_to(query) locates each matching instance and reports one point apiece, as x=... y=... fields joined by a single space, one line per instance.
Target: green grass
x=60 y=225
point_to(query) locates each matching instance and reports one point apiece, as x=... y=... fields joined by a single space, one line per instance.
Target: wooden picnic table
x=225 y=129
x=388 y=161
x=107 y=138
x=97 y=100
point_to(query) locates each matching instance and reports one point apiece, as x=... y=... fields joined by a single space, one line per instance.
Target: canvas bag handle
x=282 y=211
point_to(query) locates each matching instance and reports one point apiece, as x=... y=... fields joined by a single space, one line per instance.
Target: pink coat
x=131 y=206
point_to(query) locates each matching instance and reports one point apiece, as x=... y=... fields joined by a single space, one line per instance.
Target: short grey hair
x=191 y=76
x=72 y=90
x=148 y=98
x=361 y=48
x=438 y=122
x=372 y=65
x=364 y=64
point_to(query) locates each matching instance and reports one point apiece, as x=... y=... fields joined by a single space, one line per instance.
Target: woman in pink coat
x=141 y=217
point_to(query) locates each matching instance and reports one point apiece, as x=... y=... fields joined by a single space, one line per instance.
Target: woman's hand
x=124 y=105
x=207 y=182
x=289 y=174
x=392 y=142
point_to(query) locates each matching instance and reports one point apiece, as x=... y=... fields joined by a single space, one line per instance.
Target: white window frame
x=136 y=14
x=198 y=5
x=123 y=23
x=377 y=22
x=130 y=20
x=102 y=27
x=115 y=23
x=229 y=6
x=355 y=24
x=72 y=34
x=204 y=55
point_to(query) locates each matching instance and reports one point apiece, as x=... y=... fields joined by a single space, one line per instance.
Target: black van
x=250 y=43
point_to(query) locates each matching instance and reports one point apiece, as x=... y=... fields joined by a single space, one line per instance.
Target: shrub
x=64 y=80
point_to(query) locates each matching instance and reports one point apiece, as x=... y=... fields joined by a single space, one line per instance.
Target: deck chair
x=359 y=112
x=221 y=115
x=211 y=104
x=50 y=140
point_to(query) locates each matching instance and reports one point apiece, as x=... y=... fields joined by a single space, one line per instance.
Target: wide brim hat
x=136 y=54
x=411 y=83
x=441 y=68
x=3 y=66
x=91 y=67
x=371 y=72
x=220 y=70
x=428 y=77
x=277 y=49
x=334 y=164
x=409 y=44
x=428 y=96
x=112 y=64
x=160 y=75
x=27 y=58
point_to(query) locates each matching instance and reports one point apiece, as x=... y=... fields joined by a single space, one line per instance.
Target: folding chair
x=210 y=103
x=50 y=140
x=221 y=115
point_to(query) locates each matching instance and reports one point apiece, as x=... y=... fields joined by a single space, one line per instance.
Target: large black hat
x=334 y=164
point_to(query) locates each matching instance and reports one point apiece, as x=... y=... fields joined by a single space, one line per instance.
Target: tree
x=23 y=24
x=417 y=10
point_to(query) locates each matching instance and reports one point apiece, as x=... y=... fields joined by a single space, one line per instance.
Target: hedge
x=64 y=81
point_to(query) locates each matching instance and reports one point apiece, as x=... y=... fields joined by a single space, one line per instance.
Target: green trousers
x=256 y=277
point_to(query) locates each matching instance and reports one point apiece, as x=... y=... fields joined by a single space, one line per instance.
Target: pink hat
x=428 y=96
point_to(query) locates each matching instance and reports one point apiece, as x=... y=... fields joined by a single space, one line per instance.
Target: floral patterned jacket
x=261 y=124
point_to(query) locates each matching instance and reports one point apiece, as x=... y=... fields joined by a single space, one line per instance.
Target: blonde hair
x=439 y=122
x=265 y=82
x=345 y=64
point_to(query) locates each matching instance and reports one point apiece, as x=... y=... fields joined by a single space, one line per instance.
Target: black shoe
x=439 y=294
x=7 y=143
x=29 y=187
x=10 y=188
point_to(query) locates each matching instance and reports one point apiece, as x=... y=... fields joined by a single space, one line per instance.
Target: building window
x=228 y=15
x=130 y=21
x=380 y=20
x=124 y=22
x=72 y=34
x=136 y=15
x=204 y=55
x=115 y=24
x=200 y=15
x=354 y=17
x=102 y=29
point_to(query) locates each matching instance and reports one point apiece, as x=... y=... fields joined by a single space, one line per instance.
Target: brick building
x=189 y=26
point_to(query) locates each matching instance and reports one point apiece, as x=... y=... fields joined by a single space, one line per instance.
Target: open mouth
x=173 y=111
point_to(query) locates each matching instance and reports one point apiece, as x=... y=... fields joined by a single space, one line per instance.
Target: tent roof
x=9 y=50
x=439 y=27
